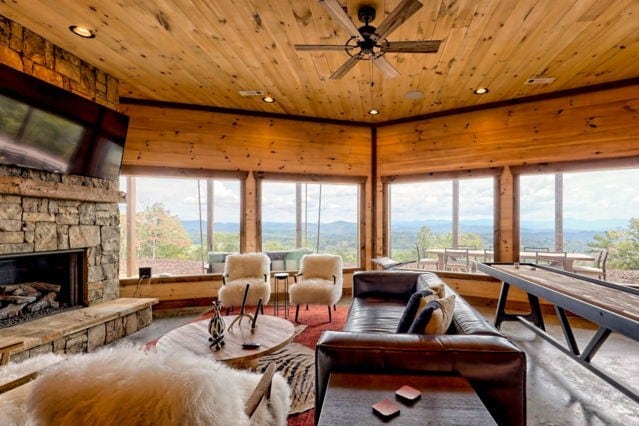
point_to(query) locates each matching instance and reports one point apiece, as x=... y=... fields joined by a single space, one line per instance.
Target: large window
x=177 y=223
x=584 y=213
x=317 y=217
x=439 y=214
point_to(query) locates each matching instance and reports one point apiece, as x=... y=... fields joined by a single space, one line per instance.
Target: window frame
x=494 y=172
x=360 y=181
x=181 y=173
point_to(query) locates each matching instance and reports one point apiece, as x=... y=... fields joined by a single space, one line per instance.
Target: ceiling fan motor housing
x=366 y=14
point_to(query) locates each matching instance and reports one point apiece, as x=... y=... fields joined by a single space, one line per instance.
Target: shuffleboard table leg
x=501 y=304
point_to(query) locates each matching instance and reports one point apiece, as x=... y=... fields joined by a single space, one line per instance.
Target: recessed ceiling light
x=481 y=91
x=373 y=111
x=81 y=31
x=268 y=99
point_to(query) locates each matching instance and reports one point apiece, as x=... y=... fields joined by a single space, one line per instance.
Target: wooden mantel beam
x=58 y=190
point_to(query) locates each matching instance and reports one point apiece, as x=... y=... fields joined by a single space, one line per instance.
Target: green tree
x=622 y=245
x=428 y=239
x=161 y=235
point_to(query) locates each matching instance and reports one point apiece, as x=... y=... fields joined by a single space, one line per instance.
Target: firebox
x=34 y=285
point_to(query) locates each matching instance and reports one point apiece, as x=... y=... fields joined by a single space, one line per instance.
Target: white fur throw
x=128 y=386
x=247 y=265
x=315 y=286
x=321 y=266
x=232 y=293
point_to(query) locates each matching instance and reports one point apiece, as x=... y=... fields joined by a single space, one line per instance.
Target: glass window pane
x=328 y=217
x=421 y=216
x=599 y=213
x=171 y=224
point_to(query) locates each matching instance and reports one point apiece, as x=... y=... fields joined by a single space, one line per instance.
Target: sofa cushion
x=374 y=315
x=435 y=317
x=412 y=307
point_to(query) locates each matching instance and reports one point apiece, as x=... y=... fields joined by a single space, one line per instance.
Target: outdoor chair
x=242 y=269
x=319 y=282
x=535 y=253
x=555 y=259
x=599 y=267
x=423 y=261
x=457 y=259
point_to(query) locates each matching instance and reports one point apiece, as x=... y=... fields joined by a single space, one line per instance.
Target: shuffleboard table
x=612 y=307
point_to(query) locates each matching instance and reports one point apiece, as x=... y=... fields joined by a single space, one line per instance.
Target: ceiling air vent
x=540 y=80
x=252 y=92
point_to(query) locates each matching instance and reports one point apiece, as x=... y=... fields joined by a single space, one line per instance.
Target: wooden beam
x=58 y=190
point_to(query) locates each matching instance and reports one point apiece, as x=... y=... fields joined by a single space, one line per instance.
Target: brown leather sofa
x=471 y=348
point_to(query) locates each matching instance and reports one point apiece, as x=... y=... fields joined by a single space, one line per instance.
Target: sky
x=587 y=195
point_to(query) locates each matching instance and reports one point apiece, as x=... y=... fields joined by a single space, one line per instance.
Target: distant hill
x=577 y=233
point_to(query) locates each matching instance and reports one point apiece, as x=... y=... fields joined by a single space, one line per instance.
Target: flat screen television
x=47 y=128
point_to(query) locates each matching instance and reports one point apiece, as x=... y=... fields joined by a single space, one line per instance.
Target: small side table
x=281 y=276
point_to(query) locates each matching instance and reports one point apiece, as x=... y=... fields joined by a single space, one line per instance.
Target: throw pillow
x=435 y=317
x=411 y=309
x=438 y=289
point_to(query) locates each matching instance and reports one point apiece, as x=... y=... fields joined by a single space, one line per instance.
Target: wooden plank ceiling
x=203 y=52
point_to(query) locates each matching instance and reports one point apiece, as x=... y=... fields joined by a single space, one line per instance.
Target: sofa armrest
x=493 y=366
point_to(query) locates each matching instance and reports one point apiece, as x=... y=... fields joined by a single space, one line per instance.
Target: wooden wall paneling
x=250 y=212
x=506 y=229
x=200 y=139
x=596 y=125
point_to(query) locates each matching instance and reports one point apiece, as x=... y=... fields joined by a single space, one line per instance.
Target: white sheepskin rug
x=126 y=385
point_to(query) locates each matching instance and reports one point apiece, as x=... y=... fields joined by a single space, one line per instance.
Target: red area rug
x=316 y=321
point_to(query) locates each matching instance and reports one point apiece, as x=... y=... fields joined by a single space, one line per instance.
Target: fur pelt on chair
x=129 y=386
x=315 y=285
x=241 y=269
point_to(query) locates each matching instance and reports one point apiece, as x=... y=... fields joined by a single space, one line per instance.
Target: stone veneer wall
x=30 y=224
x=35 y=224
x=30 y=53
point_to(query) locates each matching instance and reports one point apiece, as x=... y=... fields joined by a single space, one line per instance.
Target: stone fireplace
x=35 y=285
x=59 y=246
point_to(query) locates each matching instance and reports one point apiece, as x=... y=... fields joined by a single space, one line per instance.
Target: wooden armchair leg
x=297 y=311
x=330 y=319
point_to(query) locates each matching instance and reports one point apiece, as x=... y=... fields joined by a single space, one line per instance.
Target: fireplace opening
x=34 y=285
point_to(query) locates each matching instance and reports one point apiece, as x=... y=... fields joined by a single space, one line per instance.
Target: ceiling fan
x=368 y=42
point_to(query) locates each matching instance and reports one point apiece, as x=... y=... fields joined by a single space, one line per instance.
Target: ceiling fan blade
x=385 y=67
x=404 y=10
x=424 y=46
x=346 y=67
x=304 y=47
x=336 y=11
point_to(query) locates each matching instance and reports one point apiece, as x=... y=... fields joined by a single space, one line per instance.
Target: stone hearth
x=49 y=212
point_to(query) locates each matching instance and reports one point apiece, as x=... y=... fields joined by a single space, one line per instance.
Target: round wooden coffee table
x=272 y=333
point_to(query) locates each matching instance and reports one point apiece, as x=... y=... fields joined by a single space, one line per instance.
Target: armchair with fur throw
x=241 y=269
x=319 y=282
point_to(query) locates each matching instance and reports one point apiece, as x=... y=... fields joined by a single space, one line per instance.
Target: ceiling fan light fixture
x=481 y=91
x=81 y=31
x=268 y=99
x=373 y=111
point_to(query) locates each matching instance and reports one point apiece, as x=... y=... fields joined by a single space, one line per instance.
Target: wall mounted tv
x=48 y=128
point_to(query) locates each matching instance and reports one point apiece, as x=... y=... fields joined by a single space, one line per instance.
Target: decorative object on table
x=408 y=394
x=216 y=327
x=238 y=319
x=257 y=311
x=386 y=409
